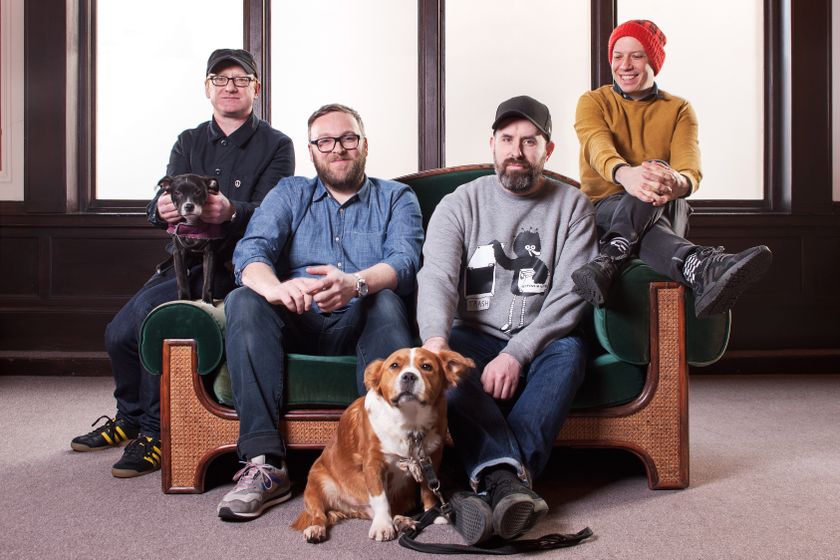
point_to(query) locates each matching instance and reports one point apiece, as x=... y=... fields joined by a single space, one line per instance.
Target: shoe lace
x=246 y=477
x=108 y=427
x=138 y=447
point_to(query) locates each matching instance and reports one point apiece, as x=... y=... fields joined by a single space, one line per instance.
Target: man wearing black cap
x=247 y=157
x=495 y=287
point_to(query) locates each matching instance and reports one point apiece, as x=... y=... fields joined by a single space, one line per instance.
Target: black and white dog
x=189 y=193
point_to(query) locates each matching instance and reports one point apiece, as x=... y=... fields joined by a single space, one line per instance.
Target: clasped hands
x=331 y=291
x=654 y=182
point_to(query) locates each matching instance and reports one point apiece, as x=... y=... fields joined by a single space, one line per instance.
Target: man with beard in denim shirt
x=324 y=266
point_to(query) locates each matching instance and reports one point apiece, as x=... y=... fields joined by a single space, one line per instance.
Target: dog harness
x=198 y=230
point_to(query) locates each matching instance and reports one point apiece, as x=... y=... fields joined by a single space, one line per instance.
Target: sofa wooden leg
x=194 y=430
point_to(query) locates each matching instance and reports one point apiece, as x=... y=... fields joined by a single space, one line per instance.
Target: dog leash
x=420 y=466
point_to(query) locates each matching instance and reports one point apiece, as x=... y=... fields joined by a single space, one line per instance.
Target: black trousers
x=656 y=233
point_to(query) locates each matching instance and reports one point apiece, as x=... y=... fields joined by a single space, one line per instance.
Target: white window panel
x=150 y=63
x=496 y=50
x=715 y=60
x=362 y=54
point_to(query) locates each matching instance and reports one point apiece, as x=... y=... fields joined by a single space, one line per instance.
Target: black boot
x=593 y=280
x=718 y=278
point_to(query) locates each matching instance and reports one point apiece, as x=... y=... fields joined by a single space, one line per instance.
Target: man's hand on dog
x=334 y=289
x=217 y=210
x=166 y=210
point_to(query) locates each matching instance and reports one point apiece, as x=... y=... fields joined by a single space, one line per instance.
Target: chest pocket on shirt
x=364 y=247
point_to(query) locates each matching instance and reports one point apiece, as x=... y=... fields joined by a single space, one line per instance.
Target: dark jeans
x=138 y=391
x=519 y=432
x=259 y=334
x=656 y=233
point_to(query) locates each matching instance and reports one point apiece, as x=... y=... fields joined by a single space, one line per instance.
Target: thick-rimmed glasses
x=238 y=81
x=327 y=144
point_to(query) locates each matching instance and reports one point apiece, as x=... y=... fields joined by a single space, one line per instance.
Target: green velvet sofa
x=635 y=395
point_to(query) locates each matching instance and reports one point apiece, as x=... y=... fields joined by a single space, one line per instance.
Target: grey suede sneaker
x=259 y=486
x=516 y=508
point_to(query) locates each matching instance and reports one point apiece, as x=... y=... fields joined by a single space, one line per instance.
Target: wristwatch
x=361 y=286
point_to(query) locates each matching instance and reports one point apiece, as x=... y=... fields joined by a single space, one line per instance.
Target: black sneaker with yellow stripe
x=114 y=432
x=141 y=456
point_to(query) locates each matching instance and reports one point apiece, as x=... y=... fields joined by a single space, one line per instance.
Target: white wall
x=11 y=100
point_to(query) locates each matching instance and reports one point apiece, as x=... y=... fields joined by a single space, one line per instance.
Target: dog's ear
x=165 y=184
x=455 y=366
x=212 y=185
x=373 y=374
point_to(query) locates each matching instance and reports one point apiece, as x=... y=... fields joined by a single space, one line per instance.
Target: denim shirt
x=299 y=224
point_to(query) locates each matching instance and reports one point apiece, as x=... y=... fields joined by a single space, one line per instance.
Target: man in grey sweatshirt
x=496 y=287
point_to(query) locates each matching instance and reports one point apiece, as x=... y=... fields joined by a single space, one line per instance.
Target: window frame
x=431 y=98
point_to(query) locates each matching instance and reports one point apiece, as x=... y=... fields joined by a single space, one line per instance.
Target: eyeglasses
x=238 y=81
x=327 y=144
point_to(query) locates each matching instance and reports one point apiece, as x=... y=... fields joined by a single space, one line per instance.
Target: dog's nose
x=407 y=379
x=189 y=207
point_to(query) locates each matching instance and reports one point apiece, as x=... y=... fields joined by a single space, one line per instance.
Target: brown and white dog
x=366 y=470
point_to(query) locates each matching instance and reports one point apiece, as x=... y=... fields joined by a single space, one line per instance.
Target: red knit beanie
x=648 y=34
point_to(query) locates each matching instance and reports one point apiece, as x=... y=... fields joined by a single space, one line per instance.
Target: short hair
x=335 y=108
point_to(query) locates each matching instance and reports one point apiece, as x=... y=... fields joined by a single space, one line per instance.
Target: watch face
x=363 y=288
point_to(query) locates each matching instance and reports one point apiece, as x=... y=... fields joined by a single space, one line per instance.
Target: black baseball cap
x=236 y=56
x=527 y=108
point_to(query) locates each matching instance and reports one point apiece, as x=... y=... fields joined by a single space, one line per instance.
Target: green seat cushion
x=183 y=319
x=623 y=323
x=609 y=382
x=311 y=381
x=330 y=381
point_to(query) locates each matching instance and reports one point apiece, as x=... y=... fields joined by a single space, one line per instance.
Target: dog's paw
x=315 y=533
x=403 y=523
x=382 y=529
x=440 y=520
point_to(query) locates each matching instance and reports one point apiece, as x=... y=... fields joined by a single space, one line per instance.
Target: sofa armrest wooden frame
x=195 y=429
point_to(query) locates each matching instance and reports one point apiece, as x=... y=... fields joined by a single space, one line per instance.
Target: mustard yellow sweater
x=613 y=130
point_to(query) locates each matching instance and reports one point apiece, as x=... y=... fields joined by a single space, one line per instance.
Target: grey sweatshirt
x=502 y=264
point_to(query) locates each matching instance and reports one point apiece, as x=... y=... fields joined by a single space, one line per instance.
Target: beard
x=348 y=181
x=518 y=181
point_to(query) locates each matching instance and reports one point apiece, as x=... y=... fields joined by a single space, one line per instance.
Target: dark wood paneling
x=102 y=266
x=603 y=15
x=430 y=48
x=811 y=106
x=23 y=252
x=45 y=77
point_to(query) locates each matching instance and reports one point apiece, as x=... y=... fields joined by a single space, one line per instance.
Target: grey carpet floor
x=765 y=483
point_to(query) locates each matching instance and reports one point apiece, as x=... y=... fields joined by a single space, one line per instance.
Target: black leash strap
x=494 y=546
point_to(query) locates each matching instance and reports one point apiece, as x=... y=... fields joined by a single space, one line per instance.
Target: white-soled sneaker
x=258 y=487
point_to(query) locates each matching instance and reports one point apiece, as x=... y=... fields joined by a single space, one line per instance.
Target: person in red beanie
x=639 y=160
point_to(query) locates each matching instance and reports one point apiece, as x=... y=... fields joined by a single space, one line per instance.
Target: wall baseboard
x=82 y=364
x=785 y=361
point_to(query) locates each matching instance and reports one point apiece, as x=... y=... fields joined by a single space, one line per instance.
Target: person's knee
x=244 y=303
x=385 y=306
